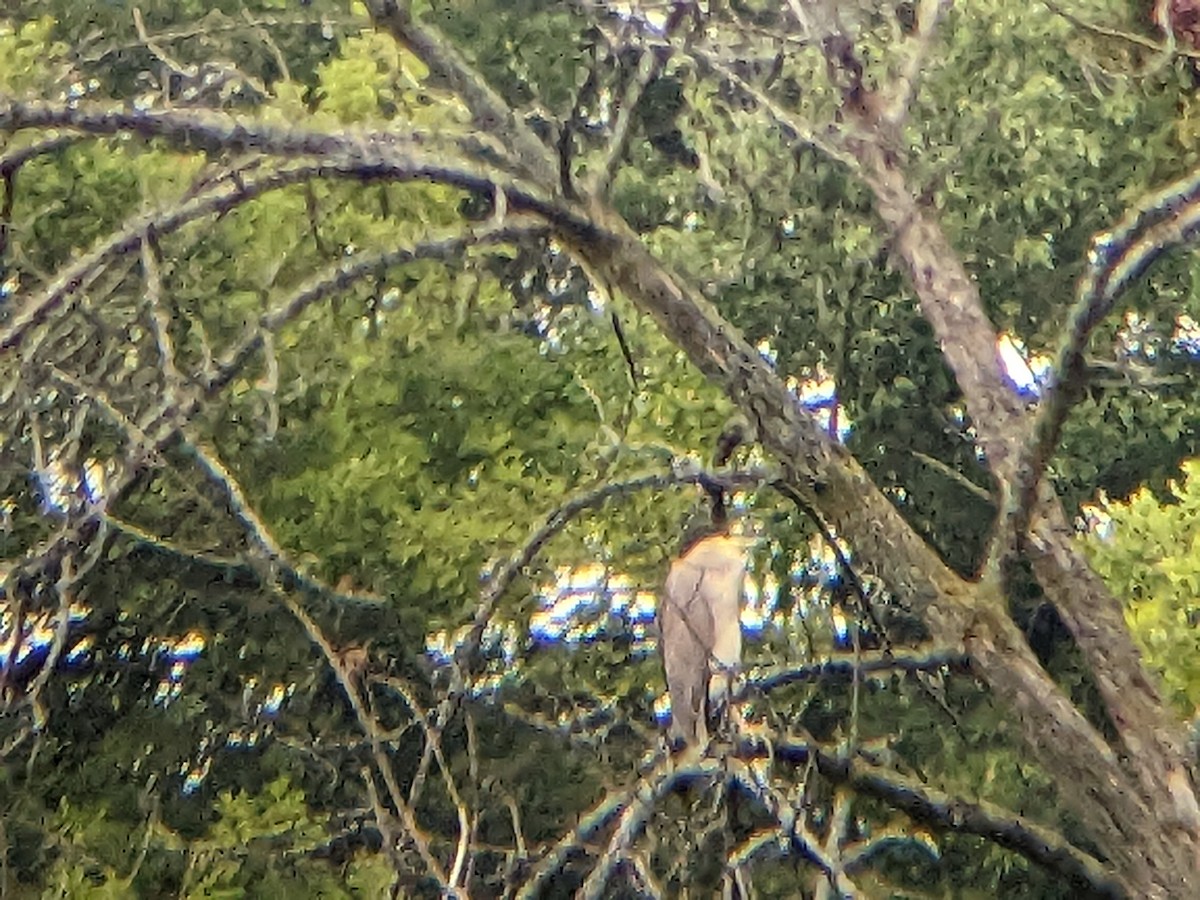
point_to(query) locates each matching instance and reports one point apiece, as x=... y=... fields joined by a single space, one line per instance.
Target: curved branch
x=1159 y=222
x=504 y=575
x=80 y=274
x=492 y=115
x=930 y=806
x=845 y=668
x=364 y=155
x=630 y=808
x=343 y=274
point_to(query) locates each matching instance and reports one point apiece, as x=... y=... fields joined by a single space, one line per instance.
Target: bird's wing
x=700 y=628
x=686 y=636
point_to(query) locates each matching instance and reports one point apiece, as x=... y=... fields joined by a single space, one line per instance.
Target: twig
x=80 y=274
x=69 y=577
x=792 y=828
x=953 y=474
x=285 y=73
x=798 y=130
x=158 y=52
x=160 y=322
x=370 y=727
x=433 y=744
x=629 y=807
x=648 y=69
x=359 y=153
x=343 y=274
x=904 y=86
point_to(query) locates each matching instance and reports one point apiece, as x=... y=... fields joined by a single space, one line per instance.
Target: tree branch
x=491 y=114
x=344 y=273
x=845 y=668
x=929 y=806
x=630 y=808
x=649 y=67
x=269 y=558
x=76 y=277
x=1159 y=222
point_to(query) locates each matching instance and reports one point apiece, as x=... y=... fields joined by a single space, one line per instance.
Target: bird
x=700 y=631
x=699 y=613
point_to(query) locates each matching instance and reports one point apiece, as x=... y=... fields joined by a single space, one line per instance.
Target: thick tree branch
x=950 y=302
x=899 y=95
x=831 y=480
x=472 y=162
x=935 y=808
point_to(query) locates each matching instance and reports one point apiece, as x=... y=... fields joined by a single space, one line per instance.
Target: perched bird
x=700 y=631
x=699 y=614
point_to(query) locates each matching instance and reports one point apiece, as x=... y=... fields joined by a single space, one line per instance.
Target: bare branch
x=346 y=272
x=841 y=669
x=792 y=830
x=798 y=130
x=630 y=808
x=270 y=557
x=924 y=804
x=72 y=572
x=900 y=94
x=1159 y=222
x=648 y=69
x=215 y=23
x=433 y=744
x=263 y=35
x=160 y=321
x=157 y=50
x=954 y=475
x=492 y=115
x=266 y=552
x=80 y=274
x=223 y=133
x=12 y=160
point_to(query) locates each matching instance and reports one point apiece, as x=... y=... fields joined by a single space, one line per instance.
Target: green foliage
x=1150 y=558
x=407 y=432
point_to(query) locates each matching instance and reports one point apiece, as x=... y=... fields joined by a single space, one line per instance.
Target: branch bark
x=958 y=613
x=1152 y=740
x=1121 y=797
